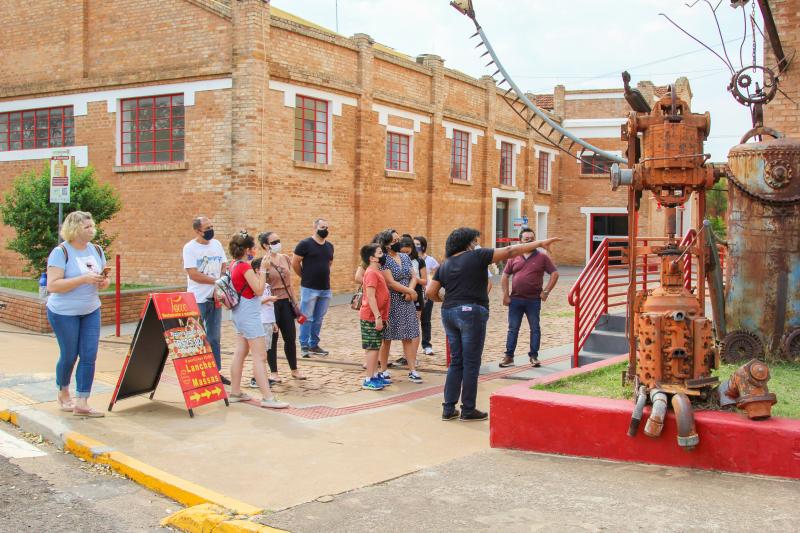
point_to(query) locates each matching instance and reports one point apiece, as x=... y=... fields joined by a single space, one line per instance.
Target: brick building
x=783 y=113
x=261 y=120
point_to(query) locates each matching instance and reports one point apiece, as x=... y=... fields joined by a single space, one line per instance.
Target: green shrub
x=28 y=210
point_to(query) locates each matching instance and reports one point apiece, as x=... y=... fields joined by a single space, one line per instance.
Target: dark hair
x=256 y=263
x=241 y=241
x=367 y=251
x=263 y=239
x=423 y=242
x=459 y=240
x=384 y=238
x=407 y=241
x=526 y=229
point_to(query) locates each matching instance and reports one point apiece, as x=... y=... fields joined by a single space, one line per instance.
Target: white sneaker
x=428 y=351
x=273 y=403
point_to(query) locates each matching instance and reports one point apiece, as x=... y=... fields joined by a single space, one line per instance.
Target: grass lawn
x=606 y=382
x=32 y=285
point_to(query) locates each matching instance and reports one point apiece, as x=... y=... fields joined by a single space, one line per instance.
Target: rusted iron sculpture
x=672 y=350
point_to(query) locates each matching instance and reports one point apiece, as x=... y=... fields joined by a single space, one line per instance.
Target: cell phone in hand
x=106 y=272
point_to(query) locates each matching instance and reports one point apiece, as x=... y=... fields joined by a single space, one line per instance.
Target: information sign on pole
x=60 y=170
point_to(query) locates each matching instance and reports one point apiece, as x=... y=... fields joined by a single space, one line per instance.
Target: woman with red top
x=247 y=321
x=374 y=311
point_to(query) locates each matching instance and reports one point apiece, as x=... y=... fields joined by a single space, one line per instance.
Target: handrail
x=594 y=280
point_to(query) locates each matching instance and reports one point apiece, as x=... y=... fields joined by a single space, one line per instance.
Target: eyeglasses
x=275 y=242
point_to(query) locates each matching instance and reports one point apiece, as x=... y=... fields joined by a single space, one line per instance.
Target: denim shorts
x=247 y=318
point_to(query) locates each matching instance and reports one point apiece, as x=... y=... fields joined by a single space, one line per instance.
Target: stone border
x=587 y=426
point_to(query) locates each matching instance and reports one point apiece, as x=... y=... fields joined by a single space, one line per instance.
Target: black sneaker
x=316 y=350
x=224 y=380
x=401 y=362
x=535 y=362
x=304 y=351
x=469 y=416
x=450 y=414
x=253 y=384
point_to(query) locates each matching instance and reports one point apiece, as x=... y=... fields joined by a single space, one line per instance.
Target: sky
x=581 y=44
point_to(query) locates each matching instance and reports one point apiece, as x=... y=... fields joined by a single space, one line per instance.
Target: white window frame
x=518 y=146
x=410 y=134
x=474 y=133
x=553 y=153
x=384 y=112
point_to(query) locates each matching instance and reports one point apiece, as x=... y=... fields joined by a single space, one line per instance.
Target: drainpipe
x=655 y=424
x=636 y=417
x=687 y=434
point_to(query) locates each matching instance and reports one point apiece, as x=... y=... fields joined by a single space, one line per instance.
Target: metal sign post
x=60 y=171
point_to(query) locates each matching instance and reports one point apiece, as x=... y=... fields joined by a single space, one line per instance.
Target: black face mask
x=396 y=247
x=208 y=234
x=323 y=233
x=382 y=260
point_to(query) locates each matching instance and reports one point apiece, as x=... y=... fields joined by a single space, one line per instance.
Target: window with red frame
x=37 y=128
x=311 y=131
x=595 y=165
x=153 y=129
x=506 y=163
x=544 y=171
x=459 y=156
x=397 y=151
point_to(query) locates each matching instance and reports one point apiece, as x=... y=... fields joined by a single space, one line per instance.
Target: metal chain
x=763 y=199
x=753 y=28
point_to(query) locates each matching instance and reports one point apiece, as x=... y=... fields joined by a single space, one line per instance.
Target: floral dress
x=402 y=323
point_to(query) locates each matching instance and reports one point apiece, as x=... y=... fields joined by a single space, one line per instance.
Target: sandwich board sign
x=170 y=327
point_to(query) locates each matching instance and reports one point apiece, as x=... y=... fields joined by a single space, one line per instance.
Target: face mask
x=276 y=248
x=419 y=249
x=208 y=234
x=477 y=247
x=323 y=233
x=382 y=260
x=250 y=257
x=396 y=247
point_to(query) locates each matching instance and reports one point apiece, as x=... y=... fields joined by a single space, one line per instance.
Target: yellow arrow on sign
x=216 y=391
x=206 y=394
x=195 y=397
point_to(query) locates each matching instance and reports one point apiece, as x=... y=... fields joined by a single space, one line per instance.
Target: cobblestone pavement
x=338 y=372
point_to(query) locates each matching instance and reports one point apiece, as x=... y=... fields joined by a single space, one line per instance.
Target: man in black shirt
x=312 y=262
x=465 y=311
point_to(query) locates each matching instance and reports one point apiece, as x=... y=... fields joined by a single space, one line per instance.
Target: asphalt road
x=57 y=492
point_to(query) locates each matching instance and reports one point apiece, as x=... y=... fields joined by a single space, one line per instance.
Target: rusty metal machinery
x=747 y=389
x=672 y=349
x=762 y=296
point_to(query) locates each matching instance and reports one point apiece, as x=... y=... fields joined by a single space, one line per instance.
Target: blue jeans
x=212 y=323
x=516 y=309
x=314 y=304
x=465 y=326
x=78 y=337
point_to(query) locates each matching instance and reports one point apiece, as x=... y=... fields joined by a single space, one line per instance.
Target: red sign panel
x=170 y=327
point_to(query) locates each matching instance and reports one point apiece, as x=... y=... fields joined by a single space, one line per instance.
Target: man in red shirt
x=527 y=274
x=373 y=313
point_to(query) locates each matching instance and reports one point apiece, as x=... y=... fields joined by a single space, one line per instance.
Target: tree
x=716 y=207
x=28 y=210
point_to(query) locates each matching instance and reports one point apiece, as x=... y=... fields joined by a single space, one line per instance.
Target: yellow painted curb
x=178 y=489
x=206 y=518
x=9 y=416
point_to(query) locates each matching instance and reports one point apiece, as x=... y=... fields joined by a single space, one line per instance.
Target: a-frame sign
x=170 y=327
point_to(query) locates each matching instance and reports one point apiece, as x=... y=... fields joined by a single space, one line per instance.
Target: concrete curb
x=208 y=517
x=182 y=491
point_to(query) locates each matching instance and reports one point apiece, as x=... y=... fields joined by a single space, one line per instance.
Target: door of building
x=608 y=225
x=501 y=213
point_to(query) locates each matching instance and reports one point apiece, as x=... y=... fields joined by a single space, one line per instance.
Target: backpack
x=224 y=291
x=97 y=248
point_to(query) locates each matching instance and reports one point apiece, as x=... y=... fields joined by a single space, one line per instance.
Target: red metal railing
x=589 y=297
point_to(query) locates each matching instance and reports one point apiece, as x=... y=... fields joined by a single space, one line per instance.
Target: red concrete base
x=541 y=421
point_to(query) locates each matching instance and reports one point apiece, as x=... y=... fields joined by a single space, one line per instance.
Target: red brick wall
x=783 y=113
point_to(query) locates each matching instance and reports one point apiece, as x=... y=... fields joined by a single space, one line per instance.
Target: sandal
x=241 y=397
x=301 y=377
x=67 y=407
x=87 y=413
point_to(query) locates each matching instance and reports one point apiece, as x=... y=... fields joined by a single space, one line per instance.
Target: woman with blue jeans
x=75 y=272
x=465 y=311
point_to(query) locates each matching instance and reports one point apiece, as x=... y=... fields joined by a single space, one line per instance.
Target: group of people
x=399 y=280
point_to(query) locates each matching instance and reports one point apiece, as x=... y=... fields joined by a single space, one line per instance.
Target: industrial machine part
x=655 y=422
x=640 y=398
x=747 y=388
x=688 y=438
x=762 y=297
x=791 y=345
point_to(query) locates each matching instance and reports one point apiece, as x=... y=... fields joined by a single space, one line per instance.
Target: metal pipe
x=687 y=434
x=655 y=424
x=638 y=410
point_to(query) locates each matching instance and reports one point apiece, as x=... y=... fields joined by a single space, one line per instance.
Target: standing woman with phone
x=76 y=270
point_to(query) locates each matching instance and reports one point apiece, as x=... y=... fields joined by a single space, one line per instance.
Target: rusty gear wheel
x=741 y=345
x=791 y=345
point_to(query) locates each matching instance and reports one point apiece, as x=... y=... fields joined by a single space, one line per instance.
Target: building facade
x=261 y=120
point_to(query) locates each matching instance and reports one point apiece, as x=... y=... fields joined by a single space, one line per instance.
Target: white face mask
x=276 y=248
x=477 y=247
